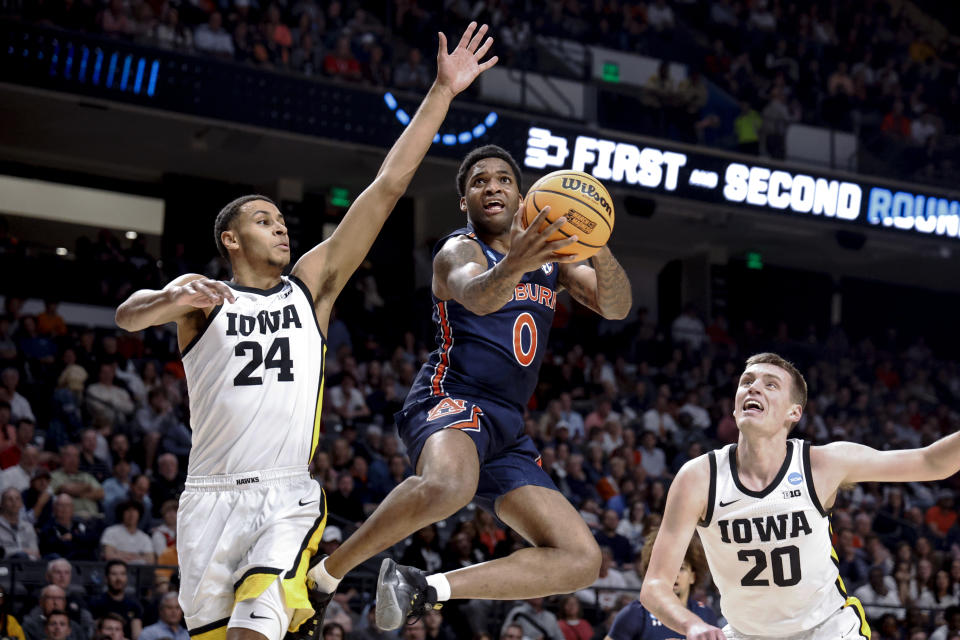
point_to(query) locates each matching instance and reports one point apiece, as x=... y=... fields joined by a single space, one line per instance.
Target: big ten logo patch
x=447 y=407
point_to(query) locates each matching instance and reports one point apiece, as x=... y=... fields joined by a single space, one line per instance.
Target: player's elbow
x=647 y=594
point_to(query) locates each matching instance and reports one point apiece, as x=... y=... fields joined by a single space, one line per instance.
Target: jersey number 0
x=524 y=356
x=278 y=357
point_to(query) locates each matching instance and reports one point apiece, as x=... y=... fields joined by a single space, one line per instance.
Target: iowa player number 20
x=523 y=322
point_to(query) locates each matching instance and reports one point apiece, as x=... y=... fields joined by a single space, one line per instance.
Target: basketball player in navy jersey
x=494 y=290
x=760 y=507
x=634 y=622
x=251 y=518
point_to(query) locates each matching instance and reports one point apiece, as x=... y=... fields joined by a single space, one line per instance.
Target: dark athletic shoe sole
x=390 y=611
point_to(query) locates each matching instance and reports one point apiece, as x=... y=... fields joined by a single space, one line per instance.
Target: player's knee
x=442 y=497
x=584 y=565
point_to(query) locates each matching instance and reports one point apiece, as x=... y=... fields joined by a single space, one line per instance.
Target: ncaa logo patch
x=447 y=407
x=794 y=478
x=547 y=268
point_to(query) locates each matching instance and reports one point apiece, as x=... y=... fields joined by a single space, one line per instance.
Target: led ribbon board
x=720 y=180
x=448 y=139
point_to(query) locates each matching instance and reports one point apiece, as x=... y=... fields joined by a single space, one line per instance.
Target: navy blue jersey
x=634 y=622
x=498 y=355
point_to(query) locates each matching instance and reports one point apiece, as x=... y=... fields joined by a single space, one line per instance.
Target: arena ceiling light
x=448 y=139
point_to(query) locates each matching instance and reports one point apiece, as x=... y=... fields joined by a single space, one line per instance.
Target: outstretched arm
x=686 y=504
x=843 y=463
x=326 y=268
x=602 y=286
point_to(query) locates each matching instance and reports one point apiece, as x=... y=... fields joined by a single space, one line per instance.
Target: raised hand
x=202 y=293
x=529 y=247
x=455 y=71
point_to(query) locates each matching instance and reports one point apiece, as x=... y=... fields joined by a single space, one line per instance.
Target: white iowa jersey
x=770 y=551
x=255 y=378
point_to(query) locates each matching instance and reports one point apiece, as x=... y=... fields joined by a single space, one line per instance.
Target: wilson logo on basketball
x=580 y=221
x=589 y=190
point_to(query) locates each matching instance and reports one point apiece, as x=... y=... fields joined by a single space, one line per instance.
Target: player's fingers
x=563 y=242
x=465 y=38
x=208 y=292
x=482 y=51
x=554 y=226
x=477 y=39
x=224 y=291
x=442 y=46
x=541 y=217
x=564 y=258
x=489 y=63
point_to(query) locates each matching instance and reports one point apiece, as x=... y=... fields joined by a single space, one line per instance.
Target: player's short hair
x=799 y=393
x=482 y=153
x=694 y=556
x=226 y=217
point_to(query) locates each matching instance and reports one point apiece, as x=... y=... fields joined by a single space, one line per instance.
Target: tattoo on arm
x=485 y=292
x=613 y=287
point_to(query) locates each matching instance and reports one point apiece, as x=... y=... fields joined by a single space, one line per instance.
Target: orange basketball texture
x=585 y=203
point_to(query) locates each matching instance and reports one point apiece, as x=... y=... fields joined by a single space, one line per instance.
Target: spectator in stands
x=879 y=596
x=951 y=629
x=608 y=537
x=8 y=432
x=412 y=73
x=167 y=483
x=106 y=402
x=17 y=536
x=210 y=38
x=9 y=625
x=534 y=620
x=19 y=406
x=376 y=69
x=164 y=536
x=116 y=20
x=125 y=541
x=60 y=573
x=435 y=628
x=57 y=626
x=170 y=625
x=25 y=436
x=90 y=462
x=52 y=599
x=777 y=116
x=895 y=124
x=424 y=550
x=170 y=33
x=110 y=627
x=81 y=486
x=68 y=536
x=660 y=16
x=115 y=600
x=747 y=126
x=653 y=458
x=347 y=400
x=115 y=487
x=415 y=630
x=512 y=631
x=139 y=492
x=571 y=622
x=18 y=476
x=341 y=64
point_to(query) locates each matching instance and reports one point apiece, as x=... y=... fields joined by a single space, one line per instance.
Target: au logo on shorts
x=446 y=407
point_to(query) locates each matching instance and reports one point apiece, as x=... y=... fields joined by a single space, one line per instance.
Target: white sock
x=439 y=582
x=325 y=582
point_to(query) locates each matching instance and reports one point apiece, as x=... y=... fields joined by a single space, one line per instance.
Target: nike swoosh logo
x=727 y=504
x=256 y=617
x=303 y=504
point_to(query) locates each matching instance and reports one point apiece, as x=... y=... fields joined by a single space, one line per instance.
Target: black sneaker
x=402 y=592
x=312 y=628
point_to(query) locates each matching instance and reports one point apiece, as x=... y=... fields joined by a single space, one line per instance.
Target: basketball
x=582 y=200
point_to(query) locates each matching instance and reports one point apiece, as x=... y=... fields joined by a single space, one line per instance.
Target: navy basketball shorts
x=508 y=457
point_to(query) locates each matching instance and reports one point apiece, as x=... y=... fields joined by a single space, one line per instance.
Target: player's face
x=491 y=198
x=260 y=232
x=685 y=580
x=764 y=400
